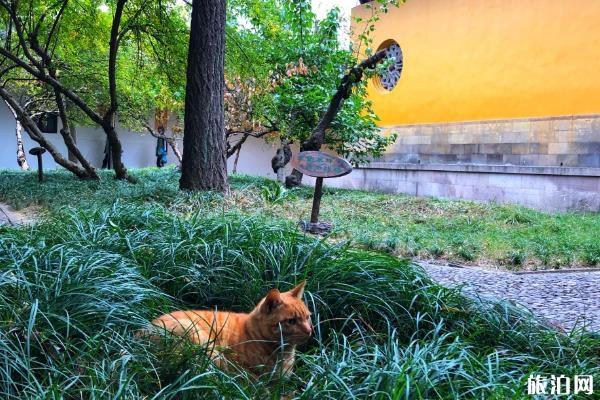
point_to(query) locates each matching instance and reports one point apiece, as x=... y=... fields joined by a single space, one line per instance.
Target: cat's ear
x=272 y=300
x=298 y=291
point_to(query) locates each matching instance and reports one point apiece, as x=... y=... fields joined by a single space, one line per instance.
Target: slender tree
x=21 y=157
x=204 y=164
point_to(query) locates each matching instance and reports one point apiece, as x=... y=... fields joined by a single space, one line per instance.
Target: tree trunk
x=281 y=159
x=204 y=165
x=109 y=120
x=116 y=150
x=70 y=154
x=235 y=161
x=68 y=134
x=21 y=157
x=173 y=144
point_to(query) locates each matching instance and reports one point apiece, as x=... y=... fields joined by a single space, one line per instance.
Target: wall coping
x=489 y=169
x=493 y=121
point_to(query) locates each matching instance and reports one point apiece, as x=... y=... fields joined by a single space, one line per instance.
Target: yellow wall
x=470 y=60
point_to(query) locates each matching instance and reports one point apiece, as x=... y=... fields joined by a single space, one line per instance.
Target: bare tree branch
x=344 y=90
x=36 y=134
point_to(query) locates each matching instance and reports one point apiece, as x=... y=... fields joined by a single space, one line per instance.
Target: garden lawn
x=509 y=236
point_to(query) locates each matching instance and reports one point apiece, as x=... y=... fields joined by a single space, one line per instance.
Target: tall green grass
x=75 y=289
x=466 y=232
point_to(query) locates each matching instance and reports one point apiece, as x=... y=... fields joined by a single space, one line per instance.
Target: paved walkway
x=10 y=216
x=562 y=298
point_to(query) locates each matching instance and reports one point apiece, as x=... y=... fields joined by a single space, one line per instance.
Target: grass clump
x=458 y=231
x=75 y=288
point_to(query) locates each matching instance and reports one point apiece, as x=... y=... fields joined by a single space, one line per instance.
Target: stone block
x=582 y=124
x=558 y=148
x=530 y=159
x=471 y=148
x=418 y=139
x=478 y=158
x=488 y=148
x=505 y=180
x=542 y=125
x=403 y=131
x=548 y=160
x=589 y=160
x=504 y=148
x=512 y=159
x=576 y=183
x=425 y=130
x=544 y=136
x=440 y=149
x=489 y=193
x=582 y=135
x=439 y=177
x=562 y=124
x=596 y=127
x=515 y=137
x=495 y=159
x=464 y=158
x=443 y=158
x=461 y=138
x=407 y=187
x=486 y=127
x=440 y=138
x=521 y=126
x=411 y=158
x=490 y=137
x=457 y=148
x=433 y=189
x=440 y=129
x=453 y=128
x=520 y=148
x=568 y=160
x=473 y=128
x=584 y=148
x=538 y=148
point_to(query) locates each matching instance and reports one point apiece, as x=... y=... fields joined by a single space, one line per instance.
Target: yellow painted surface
x=468 y=60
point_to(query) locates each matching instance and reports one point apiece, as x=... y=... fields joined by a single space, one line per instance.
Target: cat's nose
x=308 y=327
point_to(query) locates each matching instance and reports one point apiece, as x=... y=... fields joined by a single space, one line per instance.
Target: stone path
x=10 y=216
x=564 y=298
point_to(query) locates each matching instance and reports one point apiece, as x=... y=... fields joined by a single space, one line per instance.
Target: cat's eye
x=291 y=321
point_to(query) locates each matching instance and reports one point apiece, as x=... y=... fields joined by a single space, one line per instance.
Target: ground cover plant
x=466 y=232
x=76 y=287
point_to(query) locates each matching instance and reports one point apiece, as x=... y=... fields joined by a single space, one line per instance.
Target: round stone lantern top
x=37 y=151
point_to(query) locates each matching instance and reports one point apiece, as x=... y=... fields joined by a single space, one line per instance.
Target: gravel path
x=563 y=298
x=11 y=217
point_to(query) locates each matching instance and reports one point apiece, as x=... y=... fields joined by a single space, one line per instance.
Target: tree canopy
x=126 y=59
x=292 y=64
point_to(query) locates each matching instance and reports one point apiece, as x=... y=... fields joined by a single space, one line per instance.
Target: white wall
x=138 y=148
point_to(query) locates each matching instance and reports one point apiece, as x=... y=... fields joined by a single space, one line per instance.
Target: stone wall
x=543 y=188
x=551 y=164
x=560 y=141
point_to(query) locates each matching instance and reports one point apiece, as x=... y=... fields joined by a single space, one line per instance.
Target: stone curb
x=500 y=271
x=555 y=271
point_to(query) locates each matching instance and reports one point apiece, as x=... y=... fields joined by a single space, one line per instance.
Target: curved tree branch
x=344 y=90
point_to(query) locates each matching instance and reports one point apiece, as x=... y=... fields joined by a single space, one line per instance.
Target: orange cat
x=262 y=341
